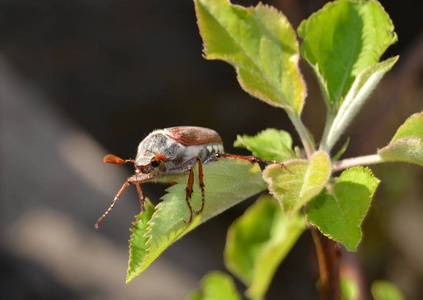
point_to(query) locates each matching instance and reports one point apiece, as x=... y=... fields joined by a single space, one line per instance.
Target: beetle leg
x=189 y=167
x=124 y=186
x=136 y=179
x=188 y=193
x=141 y=195
x=200 y=179
x=250 y=158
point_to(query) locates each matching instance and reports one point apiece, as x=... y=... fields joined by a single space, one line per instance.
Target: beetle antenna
x=113 y=159
x=124 y=186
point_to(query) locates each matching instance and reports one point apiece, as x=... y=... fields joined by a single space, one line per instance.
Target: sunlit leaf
x=412 y=127
x=405 y=150
x=362 y=87
x=260 y=44
x=385 y=290
x=341 y=40
x=227 y=182
x=298 y=181
x=258 y=241
x=270 y=144
x=407 y=143
x=138 y=240
x=339 y=213
x=216 y=286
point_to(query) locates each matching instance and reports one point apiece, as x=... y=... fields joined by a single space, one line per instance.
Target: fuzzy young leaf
x=260 y=44
x=227 y=182
x=271 y=144
x=385 y=290
x=299 y=181
x=412 y=127
x=405 y=150
x=407 y=143
x=341 y=151
x=341 y=40
x=363 y=86
x=339 y=214
x=258 y=241
x=216 y=286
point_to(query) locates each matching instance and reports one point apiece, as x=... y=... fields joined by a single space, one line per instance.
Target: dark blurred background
x=80 y=79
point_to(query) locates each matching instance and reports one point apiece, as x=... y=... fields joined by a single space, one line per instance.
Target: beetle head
x=150 y=163
x=153 y=151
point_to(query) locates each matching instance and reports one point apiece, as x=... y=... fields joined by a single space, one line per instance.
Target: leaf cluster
x=343 y=43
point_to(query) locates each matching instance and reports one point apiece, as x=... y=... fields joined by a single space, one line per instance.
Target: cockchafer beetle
x=172 y=150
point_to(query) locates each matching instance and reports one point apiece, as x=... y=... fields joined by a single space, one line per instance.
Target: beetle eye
x=155 y=163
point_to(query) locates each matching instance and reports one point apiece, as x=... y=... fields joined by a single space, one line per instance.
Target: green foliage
x=138 y=242
x=258 y=241
x=349 y=289
x=343 y=39
x=270 y=144
x=361 y=89
x=343 y=42
x=384 y=290
x=407 y=143
x=338 y=213
x=341 y=151
x=405 y=150
x=216 y=286
x=260 y=44
x=227 y=182
x=298 y=181
x=412 y=127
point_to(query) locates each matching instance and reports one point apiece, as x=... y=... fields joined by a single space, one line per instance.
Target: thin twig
x=303 y=133
x=356 y=161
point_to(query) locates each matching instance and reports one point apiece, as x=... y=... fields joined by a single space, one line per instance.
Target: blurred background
x=81 y=79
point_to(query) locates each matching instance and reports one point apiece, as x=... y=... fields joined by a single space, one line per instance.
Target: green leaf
x=405 y=150
x=338 y=214
x=296 y=183
x=384 y=290
x=341 y=151
x=270 y=144
x=137 y=241
x=412 y=127
x=216 y=286
x=341 y=40
x=349 y=289
x=258 y=241
x=260 y=44
x=407 y=143
x=359 y=92
x=227 y=182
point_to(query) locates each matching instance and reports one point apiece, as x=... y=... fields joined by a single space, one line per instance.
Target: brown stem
x=328 y=257
x=351 y=269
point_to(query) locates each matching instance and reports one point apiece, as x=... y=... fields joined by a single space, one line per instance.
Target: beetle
x=168 y=151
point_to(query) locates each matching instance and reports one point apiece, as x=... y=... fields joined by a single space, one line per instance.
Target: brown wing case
x=191 y=135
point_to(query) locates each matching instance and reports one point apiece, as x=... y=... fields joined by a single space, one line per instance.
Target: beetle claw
x=189 y=220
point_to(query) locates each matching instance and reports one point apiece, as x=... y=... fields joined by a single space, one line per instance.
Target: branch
x=328 y=257
x=356 y=161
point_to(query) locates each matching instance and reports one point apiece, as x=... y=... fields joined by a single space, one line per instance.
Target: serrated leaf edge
x=369 y=172
x=285 y=104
